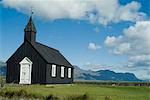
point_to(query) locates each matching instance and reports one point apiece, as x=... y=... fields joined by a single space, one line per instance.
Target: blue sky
x=89 y=34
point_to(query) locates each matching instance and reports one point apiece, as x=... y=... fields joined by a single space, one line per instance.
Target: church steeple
x=30 y=31
x=30 y=26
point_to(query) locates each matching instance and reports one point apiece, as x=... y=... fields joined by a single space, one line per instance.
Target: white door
x=25 y=74
x=25 y=71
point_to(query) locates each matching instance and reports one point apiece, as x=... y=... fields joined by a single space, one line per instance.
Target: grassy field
x=76 y=92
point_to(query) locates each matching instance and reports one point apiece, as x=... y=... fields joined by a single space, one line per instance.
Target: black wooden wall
x=38 y=66
x=41 y=70
x=58 y=78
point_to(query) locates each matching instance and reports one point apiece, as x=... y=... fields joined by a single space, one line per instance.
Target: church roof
x=51 y=55
x=30 y=27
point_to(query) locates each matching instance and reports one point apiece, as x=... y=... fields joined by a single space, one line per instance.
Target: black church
x=35 y=63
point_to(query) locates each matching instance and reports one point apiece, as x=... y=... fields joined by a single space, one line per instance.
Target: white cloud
x=130 y=15
x=135 y=43
x=135 y=40
x=122 y=48
x=139 y=61
x=96 y=11
x=93 y=46
x=112 y=40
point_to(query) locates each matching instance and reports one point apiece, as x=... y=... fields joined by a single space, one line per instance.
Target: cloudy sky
x=92 y=34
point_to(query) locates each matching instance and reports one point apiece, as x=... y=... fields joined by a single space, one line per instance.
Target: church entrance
x=25 y=71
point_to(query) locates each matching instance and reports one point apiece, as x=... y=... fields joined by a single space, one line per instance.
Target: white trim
x=26 y=60
x=69 y=72
x=53 y=71
x=62 y=71
x=25 y=71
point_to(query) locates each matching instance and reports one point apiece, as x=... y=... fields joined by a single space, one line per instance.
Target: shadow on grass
x=20 y=94
x=10 y=94
x=80 y=97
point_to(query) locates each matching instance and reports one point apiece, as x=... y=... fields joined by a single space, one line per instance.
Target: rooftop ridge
x=47 y=46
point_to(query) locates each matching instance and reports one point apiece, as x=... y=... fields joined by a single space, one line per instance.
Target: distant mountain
x=80 y=74
x=2 y=68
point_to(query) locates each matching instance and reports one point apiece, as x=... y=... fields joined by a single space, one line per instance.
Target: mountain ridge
x=106 y=75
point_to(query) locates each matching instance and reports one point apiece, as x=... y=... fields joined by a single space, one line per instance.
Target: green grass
x=79 y=92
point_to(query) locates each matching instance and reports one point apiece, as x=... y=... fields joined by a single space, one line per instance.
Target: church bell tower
x=30 y=32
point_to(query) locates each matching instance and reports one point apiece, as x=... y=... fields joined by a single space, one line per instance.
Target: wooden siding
x=38 y=68
x=58 y=79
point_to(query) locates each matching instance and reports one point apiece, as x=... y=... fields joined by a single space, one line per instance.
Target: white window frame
x=53 y=70
x=69 y=72
x=62 y=71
